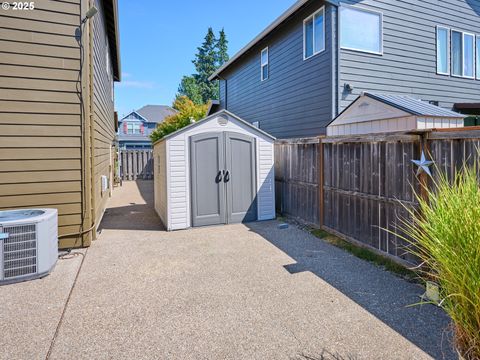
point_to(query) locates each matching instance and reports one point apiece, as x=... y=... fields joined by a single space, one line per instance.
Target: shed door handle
x=226 y=176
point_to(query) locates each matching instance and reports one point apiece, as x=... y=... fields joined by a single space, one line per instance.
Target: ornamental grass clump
x=444 y=233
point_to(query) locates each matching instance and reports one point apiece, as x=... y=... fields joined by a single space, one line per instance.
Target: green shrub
x=187 y=112
x=445 y=234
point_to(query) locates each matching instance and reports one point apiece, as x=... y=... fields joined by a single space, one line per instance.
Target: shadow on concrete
x=138 y=213
x=381 y=293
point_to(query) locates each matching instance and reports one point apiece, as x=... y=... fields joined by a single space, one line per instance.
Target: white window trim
x=477 y=58
x=381 y=30
x=322 y=10
x=448 y=48
x=266 y=64
x=463 y=55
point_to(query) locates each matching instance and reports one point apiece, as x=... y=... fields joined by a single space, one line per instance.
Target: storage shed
x=218 y=170
x=379 y=113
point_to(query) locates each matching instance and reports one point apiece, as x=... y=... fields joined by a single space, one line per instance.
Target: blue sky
x=159 y=38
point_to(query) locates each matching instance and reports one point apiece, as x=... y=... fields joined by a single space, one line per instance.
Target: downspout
x=335 y=28
x=92 y=130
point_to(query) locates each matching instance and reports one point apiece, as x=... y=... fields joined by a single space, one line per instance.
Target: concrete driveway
x=228 y=292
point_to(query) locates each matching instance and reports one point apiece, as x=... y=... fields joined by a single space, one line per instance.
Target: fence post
x=423 y=177
x=320 y=181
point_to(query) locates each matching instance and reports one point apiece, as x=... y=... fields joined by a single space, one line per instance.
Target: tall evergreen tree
x=206 y=63
x=222 y=48
x=210 y=56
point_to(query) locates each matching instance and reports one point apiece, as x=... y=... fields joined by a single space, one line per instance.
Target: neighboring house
x=57 y=121
x=135 y=128
x=319 y=56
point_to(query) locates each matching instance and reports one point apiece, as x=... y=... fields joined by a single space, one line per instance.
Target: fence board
x=136 y=164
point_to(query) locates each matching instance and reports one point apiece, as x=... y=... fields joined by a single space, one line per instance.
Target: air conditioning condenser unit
x=28 y=244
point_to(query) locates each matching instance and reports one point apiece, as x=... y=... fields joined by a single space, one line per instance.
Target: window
x=468 y=55
x=133 y=128
x=443 y=63
x=478 y=57
x=314 y=34
x=361 y=30
x=457 y=64
x=264 y=64
x=463 y=54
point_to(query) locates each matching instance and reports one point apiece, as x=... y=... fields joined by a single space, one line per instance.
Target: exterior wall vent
x=222 y=120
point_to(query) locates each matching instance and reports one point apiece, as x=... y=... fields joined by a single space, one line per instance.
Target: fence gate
x=136 y=164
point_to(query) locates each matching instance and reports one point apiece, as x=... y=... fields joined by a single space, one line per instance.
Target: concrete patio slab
x=30 y=311
x=236 y=292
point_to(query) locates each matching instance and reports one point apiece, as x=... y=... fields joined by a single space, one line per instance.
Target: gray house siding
x=408 y=63
x=296 y=100
x=301 y=97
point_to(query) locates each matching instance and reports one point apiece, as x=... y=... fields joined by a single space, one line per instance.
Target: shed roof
x=413 y=106
x=156 y=113
x=197 y=123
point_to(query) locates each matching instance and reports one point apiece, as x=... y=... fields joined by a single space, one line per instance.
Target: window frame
x=361 y=9
x=308 y=18
x=267 y=64
x=451 y=52
x=477 y=57
x=474 y=50
x=438 y=27
x=133 y=126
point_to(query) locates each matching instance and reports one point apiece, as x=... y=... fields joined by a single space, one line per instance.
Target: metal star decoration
x=423 y=165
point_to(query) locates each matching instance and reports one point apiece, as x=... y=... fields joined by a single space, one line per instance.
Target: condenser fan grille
x=19 y=251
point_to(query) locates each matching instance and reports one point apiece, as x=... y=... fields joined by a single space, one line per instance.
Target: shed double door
x=223 y=178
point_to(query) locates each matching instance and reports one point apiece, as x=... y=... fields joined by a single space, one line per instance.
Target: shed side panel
x=160 y=181
x=266 y=180
x=178 y=183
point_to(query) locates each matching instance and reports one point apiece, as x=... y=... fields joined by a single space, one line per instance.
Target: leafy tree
x=188 y=112
x=222 y=48
x=190 y=88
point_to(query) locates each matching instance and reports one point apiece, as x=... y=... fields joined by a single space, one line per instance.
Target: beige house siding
x=103 y=112
x=41 y=152
x=40 y=126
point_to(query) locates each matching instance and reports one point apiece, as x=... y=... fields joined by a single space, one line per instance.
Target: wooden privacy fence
x=358 y=187
x=297 y=179
x=136 y=164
